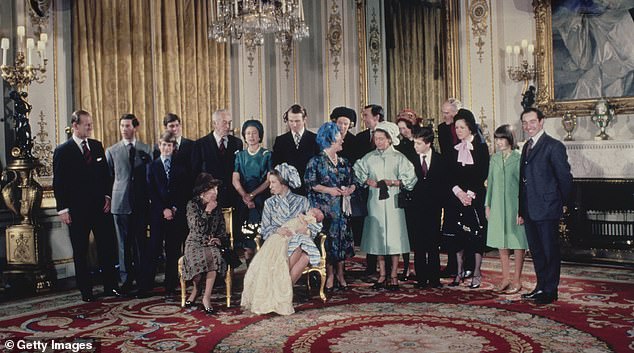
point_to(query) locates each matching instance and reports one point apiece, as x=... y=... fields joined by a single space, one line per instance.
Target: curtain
x=147 y=57
x=416 y=52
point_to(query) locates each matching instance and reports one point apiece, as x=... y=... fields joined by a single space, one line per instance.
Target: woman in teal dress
x=506 y=230
x=329 y=180
x=385 y=171
x=250 y=181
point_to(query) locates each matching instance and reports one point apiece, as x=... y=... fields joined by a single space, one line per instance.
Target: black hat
x=344 y=111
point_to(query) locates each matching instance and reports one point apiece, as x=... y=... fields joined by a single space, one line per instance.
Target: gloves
x=383 y=194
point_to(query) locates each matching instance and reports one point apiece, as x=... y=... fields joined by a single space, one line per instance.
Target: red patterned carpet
x=594 y=313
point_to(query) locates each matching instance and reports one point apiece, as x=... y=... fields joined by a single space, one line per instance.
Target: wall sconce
x=520 y=61
x=23 y=72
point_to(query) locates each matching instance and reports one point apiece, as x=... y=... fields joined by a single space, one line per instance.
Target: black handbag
x=469 y=222
x=405 y=198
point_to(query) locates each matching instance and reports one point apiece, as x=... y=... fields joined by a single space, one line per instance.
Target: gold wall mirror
x=584 y=53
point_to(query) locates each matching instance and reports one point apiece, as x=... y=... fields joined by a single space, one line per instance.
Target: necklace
x=333 y=160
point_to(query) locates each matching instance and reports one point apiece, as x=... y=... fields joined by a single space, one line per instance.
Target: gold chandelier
x=250 y=20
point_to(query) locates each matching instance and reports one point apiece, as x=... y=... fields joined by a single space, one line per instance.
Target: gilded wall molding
x=43 y=149
x=335 y=35
x=479 y=13
x=363 y=78
x=374 y=44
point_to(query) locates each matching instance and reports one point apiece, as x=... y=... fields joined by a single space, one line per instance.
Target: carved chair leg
x=322 y=284
x=228 y=282
x=183 y=282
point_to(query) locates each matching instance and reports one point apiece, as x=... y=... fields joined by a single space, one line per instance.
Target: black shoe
x=435 y=285
x=421 y=285
x=126 y=287
x=87 y=297
x=545 y=298
x=379 y=285
x=403 y=277
x=209 y=310
x=534 y=293
x=112 y=293
x=468 y=274
x=189 y=304
x=143 y=294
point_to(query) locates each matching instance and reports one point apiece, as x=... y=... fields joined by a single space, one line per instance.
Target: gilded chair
x=320 y=269
x=228 y=215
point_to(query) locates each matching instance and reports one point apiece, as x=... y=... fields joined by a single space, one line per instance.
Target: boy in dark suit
x=429 y=192
x=83 y=189
x=165 y=181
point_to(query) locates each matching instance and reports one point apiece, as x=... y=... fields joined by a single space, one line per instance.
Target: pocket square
x=99 y=159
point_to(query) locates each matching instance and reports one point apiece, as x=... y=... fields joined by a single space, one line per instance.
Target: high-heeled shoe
x=341 y=286
x=457 y=280
x=209 y=310
x=513 y=289
x=190 y=303
x=393 y=286
x=379 y=284
x=502 y=287
x=476 y=281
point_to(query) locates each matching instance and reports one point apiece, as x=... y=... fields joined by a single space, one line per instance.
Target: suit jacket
x=363 y=144
x=129 y=191
x=79 y=186
x=470 y=177
x=431 y=190
x=445 y=139
x=206 y=158
x=183 y=157
x=166 y=193
x=284 y=150
x=545 y=178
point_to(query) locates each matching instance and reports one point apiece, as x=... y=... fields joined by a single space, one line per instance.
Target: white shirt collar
x=218 y=138
x=300 y=132
x=163 y=158
x=78 y=142
x=127 y=142
x=537 y=136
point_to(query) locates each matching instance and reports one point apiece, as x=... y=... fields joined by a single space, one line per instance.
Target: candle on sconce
x=235 y=8
x=524 y=43
x=44 y=38
x=30 y=44
x=41 y=47
x=21 y=32
x=516 y=56
x=531 y=53
x=301 y=10
x=509 y=51
x=283 y=6
x=4 y=45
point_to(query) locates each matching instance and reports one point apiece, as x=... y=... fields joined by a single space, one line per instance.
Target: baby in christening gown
x=267 y=282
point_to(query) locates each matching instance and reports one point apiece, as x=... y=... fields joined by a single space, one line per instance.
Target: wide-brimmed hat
x=346 y=112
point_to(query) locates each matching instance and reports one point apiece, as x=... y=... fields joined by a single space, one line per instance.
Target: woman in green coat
x=385 y=171
x=505 y=226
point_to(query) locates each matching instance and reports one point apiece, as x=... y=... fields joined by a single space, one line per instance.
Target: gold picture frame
x=545 y=79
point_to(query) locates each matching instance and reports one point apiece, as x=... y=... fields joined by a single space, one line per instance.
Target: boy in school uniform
x=429 y=193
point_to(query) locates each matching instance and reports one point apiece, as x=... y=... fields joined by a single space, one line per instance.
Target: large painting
x=585 y=51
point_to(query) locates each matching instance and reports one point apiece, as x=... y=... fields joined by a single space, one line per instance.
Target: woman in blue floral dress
x=329 y=180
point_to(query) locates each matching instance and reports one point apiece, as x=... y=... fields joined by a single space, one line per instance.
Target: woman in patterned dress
x=207 y=231
x=329 y=180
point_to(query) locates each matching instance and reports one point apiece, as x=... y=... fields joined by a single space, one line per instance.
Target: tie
x=86 y=152
x=221 y=147
x=131 y=155
x=372 y=137
x=167 y=165
x=424 y=166
x=529 y=147
x=297 y=137
x=175 y=146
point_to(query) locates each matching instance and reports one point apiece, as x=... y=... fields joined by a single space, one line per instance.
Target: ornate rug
x=594 y=313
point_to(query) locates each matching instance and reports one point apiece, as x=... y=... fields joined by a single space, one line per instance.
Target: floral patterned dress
x=200 y=257
x=322 y=171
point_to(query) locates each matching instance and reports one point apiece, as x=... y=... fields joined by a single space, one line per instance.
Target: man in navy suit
x=297 y=146
x=166 y=182
x=545 y=185
x=183 y=149
x=429 y=191
x=215 y=154
x=83 y=187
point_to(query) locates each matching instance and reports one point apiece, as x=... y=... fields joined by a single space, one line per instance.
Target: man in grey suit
x=127 y=160
x=545 y=185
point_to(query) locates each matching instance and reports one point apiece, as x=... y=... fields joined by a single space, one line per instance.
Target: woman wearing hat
x=345 y=118
x=281 y=207
x=469 y=167
x=250 y=181
x=385 y=171
x=329 y=179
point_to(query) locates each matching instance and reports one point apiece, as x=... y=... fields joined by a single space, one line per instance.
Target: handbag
x=469 y=222
x=404 y=198
x=230 y=256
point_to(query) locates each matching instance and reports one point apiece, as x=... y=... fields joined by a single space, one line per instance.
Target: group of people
x=387 y=186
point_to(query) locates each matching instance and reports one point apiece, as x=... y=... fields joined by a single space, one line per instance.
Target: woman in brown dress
x=206 y=233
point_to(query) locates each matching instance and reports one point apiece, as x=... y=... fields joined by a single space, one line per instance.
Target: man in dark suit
x=82 y=187
x=372 y=114
x=545 y=185
x=446 y=131
x=215 y=154
x=297 y=146
x=127 y=160
x=430 y=189
x=165 y=181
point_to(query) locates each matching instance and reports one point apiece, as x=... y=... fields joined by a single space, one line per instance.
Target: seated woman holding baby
x=289 y=227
